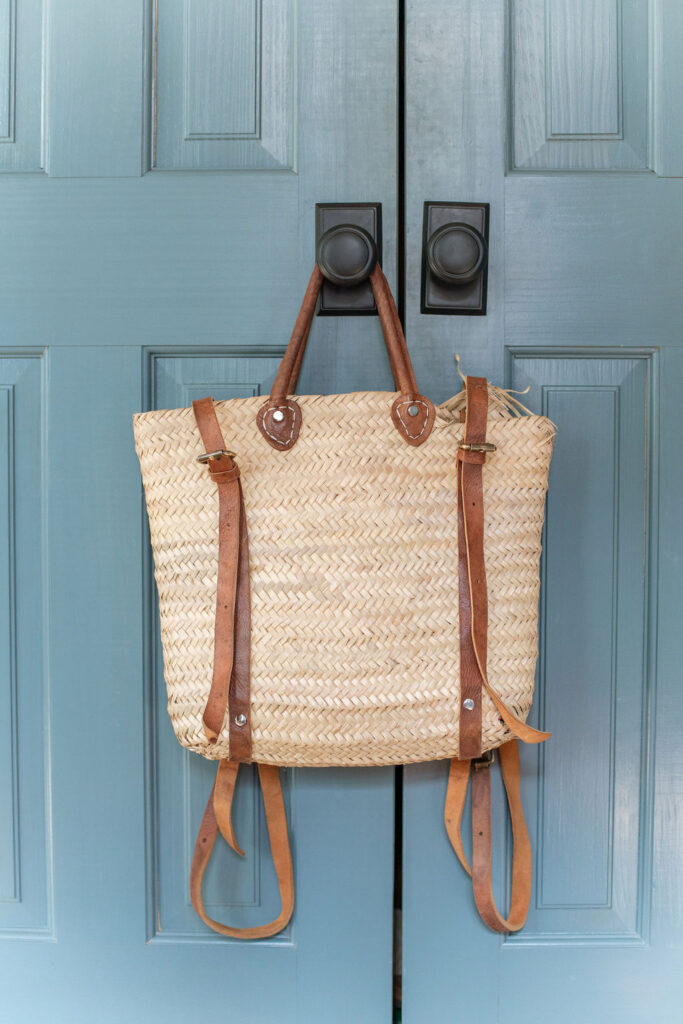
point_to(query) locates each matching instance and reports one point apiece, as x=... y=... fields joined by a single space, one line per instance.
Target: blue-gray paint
x=124 y=287
x=585 y=309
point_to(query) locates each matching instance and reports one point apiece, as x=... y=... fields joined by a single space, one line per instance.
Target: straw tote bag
x=350 y=580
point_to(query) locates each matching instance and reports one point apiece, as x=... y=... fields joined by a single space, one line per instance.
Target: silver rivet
x=278 y=415
x=413 y=410
x=240 y=720
x=468 y=704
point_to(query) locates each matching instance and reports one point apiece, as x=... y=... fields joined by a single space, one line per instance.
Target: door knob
x=348 y=244
x=347 y=254
x=456 y=253
x=455 y=258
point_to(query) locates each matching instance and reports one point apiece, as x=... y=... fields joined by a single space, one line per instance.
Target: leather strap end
x=520 y=729
x=211 y=734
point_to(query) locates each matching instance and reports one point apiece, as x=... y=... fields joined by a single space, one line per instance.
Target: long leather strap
x=230 y=684
x=473 y=598
x=481 y=835
x=473 y=615
x=218 y=816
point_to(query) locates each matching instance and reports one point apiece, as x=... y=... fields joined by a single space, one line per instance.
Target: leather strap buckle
x=478 y=446
x=216 y=455
x=485 y=761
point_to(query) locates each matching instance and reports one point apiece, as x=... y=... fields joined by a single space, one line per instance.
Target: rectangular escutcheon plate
x=354 y=300
x=454 y=258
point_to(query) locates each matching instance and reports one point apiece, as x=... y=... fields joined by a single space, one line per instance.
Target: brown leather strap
x=412 y=414
x=380 y=282
x=473 y=596
x=520 y=895
x=230 y=684
x=294 y=352
x=279 y=419
x=218 y=813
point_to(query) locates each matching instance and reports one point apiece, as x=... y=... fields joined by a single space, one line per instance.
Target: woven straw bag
x=350 y=580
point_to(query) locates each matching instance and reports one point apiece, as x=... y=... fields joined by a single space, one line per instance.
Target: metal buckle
x=216 y=455
x=485 y=761
x=478 y=446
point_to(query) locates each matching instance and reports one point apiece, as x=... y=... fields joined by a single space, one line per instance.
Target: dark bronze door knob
x=456 y=253
x=347 y=254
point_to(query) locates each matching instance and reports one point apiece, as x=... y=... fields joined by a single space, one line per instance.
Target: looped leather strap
x=481 y=836
x=218 y=816
x=230 y=684
x=279 y=419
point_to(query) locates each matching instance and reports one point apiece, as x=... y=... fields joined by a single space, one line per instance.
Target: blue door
x=565 y=116
x=161 y=166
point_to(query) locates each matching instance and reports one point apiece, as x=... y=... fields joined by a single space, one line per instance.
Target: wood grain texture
x=25 y=847
x=21 y=70
x=583 y=48
x=94 y=88
x=667 y=29
x=578 y=86
x=8 y=45
x=224 y=85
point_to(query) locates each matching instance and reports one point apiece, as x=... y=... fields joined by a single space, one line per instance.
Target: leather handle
x=279 y=420
x=288 y=370
x=480 y=871
x=380 y=283
x=218 y=816
x=401 y=367
x=394 y=338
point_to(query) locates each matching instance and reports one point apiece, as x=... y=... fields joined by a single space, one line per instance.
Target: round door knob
x=347 y=254
x=456 y=253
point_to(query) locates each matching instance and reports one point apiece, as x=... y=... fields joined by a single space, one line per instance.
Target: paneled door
x=159 y=168
x=565 y=116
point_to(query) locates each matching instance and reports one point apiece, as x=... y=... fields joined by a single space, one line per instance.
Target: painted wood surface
x=223 y=85
x=585 y=308
x=122 y=290
x=21 y=68
x=579 y=85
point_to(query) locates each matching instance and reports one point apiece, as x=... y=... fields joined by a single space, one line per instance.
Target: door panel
x=25 y=846
x=122 y=291
x=555 y=127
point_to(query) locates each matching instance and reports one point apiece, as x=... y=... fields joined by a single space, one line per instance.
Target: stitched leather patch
x=413 y=418
x=280 y=434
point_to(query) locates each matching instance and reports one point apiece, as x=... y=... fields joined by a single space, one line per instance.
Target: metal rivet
x=240 y=720
x=278 y=416
x=468 y=704
x=413 y=410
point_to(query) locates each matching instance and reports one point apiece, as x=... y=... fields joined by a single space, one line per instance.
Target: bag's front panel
x=354 y=577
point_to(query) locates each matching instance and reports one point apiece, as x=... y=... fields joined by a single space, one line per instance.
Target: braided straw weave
x=353 y=559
